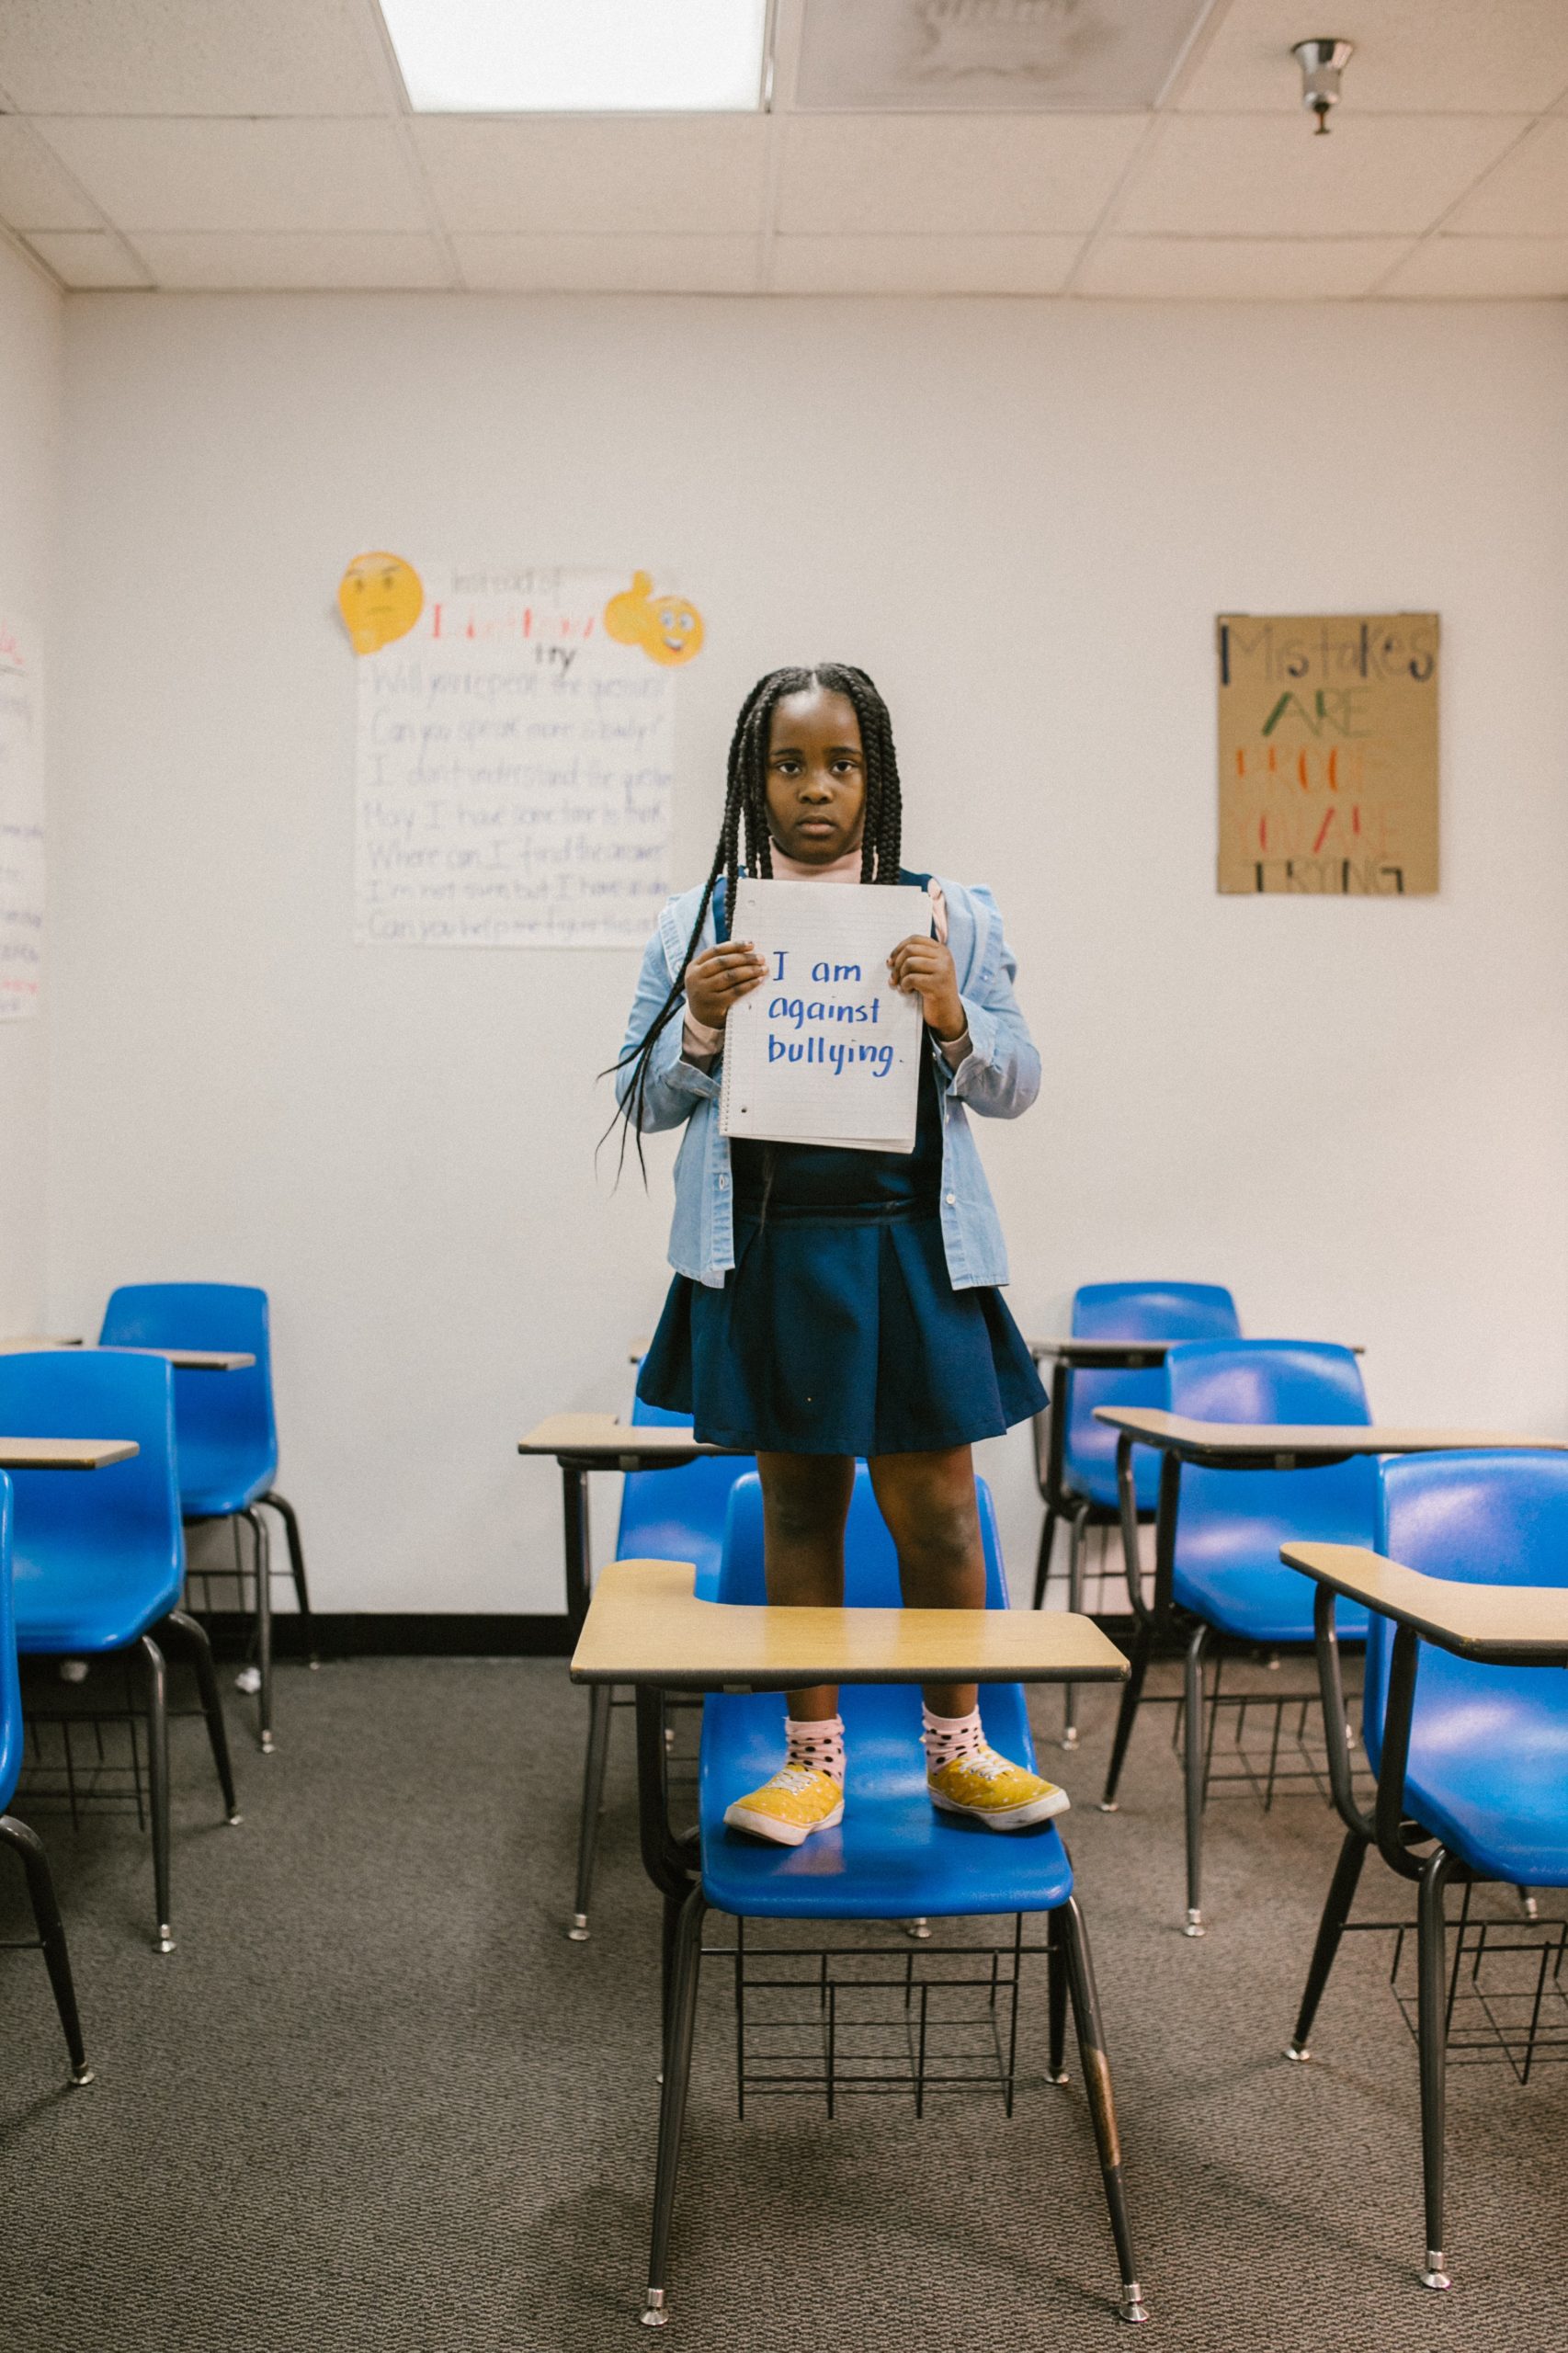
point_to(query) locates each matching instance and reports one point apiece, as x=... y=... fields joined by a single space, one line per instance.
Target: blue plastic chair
x=1222 y=1579
x=894 y=1855
x=1470 y=1754
x=99 y=1556
x=675 y=1515
x=228 y=1435
x=15 y=1834
x=1075 y=1455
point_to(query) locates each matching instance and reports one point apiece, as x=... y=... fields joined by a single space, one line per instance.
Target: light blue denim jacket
x=998 y=1077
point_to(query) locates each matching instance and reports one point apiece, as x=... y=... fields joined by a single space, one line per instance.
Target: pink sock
x=946 y=1737
x=817 y=1744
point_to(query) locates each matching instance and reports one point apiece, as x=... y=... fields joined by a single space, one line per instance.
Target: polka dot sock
x=817 y=1745
x=947 y=1737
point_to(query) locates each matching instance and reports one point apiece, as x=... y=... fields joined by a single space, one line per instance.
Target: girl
x=830 y=1302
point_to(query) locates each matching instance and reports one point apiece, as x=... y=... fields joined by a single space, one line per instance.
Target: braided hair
x=744 y=837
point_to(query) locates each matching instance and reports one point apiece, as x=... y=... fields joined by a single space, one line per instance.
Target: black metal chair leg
x=1331 y=1927
x=1042 y=1558
x=1131 y=1692
x=671 y=2102
x=51 y=1937
x=1102 y=2105
x=1056 y=1995
x=1074 y=1603
x=1433 y=2035
x=263 y=1625
x=1193 y=1758
x=600 y=1700
x=158 y=1780
x=290 y=1519
x=201 y=1650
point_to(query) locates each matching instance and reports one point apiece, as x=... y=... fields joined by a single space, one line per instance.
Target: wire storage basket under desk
x=914 y=2015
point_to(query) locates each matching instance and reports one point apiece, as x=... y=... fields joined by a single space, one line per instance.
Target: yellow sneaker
x=787 y=1808
x=1002 y=1796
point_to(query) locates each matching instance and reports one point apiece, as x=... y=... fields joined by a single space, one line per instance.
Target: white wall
x=29 y=423
x=1022 y=519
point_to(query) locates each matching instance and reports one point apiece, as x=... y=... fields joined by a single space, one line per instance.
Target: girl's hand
x=923 y=968
x=716 y=978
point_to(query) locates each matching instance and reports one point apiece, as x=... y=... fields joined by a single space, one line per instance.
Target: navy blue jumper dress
x=838 y=1330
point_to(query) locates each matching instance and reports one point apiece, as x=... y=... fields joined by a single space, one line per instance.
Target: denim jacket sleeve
x=675 y=1085
x=999 y=1077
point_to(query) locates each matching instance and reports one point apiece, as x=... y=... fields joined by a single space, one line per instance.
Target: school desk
x=182 y=1359
x=1246 y=1446
x=584 y=1442
x=645 y=1627
x=64 y=1453
x=1227 y=1446
x=581 y=1443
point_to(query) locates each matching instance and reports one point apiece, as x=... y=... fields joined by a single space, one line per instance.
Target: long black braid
x=743 y=837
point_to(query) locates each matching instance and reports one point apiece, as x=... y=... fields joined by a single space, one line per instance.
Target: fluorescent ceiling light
x=579 y=56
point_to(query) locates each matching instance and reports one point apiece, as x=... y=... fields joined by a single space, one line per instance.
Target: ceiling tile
x=959 y=174
x=193 y=175
x=1411 y=56
x=272 y=264
x=922 y=265
x=190 y=57
x=1501 y=268
x=1262 y=176
x=87 y=257
x=920 y=56
x=36 y=191
x=1528 y=193
x=580 y=175
x=1224 y=269
x=609 y=265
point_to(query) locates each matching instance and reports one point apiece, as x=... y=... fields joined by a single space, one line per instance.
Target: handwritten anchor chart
x=1328 y=754
x=514 y=767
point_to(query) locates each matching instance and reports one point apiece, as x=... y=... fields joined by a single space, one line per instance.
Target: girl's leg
x=805 y=1501
x=928 y=1502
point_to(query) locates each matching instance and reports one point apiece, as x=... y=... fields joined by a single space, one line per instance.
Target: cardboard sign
x=1328 y=754
x=826 y=1051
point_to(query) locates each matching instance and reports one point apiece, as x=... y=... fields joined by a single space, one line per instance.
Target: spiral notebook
x=826 y=1052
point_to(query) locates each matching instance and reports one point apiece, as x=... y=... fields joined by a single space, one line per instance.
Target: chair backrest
x=1245 y=1516
x=10 y=1692
x=126 y=1515
x=1488 y=1517
x=678 y=1515
x=224 y=1415
x=870 y=1563
x=1134 y=1312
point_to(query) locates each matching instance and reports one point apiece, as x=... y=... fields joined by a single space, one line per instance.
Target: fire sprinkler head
x=1323 y=62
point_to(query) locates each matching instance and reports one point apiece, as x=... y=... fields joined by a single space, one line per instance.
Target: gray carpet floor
x=376 y=2102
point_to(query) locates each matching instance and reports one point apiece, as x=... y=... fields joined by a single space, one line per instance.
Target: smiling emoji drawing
x=668 y=629
x=380 y=597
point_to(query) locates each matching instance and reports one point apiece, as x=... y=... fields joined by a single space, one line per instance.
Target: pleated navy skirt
x=840 y=1334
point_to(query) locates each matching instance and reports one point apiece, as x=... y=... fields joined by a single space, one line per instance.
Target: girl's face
x=816 y=777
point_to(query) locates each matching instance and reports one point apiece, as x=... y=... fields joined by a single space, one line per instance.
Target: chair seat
x=1256 y=1599
x=77 y=1600
x=894 y=1857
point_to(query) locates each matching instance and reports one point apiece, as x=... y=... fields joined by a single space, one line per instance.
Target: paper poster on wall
x=1328 y=754
x=826 y=1051
x=515 y=753
x=22 y=820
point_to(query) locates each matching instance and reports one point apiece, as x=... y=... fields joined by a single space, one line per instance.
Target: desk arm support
x=669 y=1862
x=1399 y=1710
x=1331 y=1684
x=1127 y=1502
